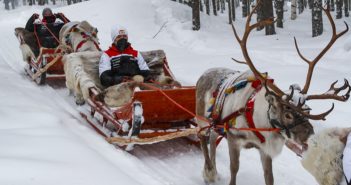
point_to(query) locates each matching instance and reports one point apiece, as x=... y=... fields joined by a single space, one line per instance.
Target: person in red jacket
x=121 y=61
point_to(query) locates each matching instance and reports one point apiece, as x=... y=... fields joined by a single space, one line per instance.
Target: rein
x=57 y=40
x=212 y=124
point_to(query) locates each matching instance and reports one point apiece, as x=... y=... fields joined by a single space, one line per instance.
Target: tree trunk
x=7 y=4
x=259 y=12
x=346 y=8
x=246 y=9
x=293 y=9
x=201 y=6
x=310 y=4
x=218 y=5
x=196 y=15
x=214 y=3
x=222 y=6
x=317 y=19
x=339 y=8
x=279 y=10
x=300 y=6
x=207 y=5
x=268 y=14
x=230 y=11
x=332 y=5
x=233 y=10
x=12 y=4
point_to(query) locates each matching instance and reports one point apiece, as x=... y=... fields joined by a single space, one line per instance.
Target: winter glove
x=62 y=17
x=145 y=73
x=35 y=16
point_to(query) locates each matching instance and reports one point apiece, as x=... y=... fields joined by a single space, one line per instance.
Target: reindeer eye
x=288 y=116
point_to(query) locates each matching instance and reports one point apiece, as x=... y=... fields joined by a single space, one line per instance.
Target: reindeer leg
x=213 y=147
x=266 y=161
x=234 y=154
x=209 y=173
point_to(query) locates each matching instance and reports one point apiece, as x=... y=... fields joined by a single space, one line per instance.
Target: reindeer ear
x=270 y=98
x=75 y=29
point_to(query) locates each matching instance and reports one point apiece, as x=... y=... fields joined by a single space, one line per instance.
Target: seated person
x=45 y=26
x=121 y=61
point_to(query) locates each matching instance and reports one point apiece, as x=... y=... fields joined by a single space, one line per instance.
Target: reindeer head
x=85 y=34
x=288 y=111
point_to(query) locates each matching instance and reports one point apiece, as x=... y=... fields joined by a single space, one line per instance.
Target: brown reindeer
x=256 y=102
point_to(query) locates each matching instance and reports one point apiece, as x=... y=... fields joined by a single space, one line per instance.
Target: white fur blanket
x=323 y=156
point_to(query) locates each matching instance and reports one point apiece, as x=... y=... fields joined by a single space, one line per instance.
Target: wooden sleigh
x=46 y=65
x=153 y=115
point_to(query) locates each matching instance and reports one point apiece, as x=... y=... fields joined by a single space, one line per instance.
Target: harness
x=229 y=85
x=85 y=36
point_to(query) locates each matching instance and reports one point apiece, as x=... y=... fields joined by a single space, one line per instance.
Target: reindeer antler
x=243 y=41
x=333 y=92
x=312 y=63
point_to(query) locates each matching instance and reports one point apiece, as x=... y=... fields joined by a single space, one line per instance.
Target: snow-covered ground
x=44 y=141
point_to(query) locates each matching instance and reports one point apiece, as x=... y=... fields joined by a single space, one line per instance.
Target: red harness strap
x=84 y=41
x=250 y=108
x=249 y=118
x=248 y=111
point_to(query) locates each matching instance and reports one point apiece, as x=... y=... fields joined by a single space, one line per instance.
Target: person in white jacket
x=121 y=61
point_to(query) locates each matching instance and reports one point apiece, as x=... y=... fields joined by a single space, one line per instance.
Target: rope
x=50 y=31
x=36 y=35
x=210 y=124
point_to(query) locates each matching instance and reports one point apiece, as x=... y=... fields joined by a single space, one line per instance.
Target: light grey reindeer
x=256 y=98
x=82 y=65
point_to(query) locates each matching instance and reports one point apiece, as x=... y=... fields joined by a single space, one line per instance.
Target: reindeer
x=250 y=100
x=82 y=65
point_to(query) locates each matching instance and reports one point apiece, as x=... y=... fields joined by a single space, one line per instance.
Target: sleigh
x=153 y=114
x=42 y=63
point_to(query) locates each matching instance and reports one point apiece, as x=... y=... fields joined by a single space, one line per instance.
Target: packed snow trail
x=43 y=140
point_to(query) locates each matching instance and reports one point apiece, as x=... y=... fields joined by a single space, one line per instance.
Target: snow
x=43 y=140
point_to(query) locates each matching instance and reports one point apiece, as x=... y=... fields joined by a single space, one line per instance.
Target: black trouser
x=109 y=78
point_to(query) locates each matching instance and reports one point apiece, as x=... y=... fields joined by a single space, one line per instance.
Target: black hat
x=46 y=10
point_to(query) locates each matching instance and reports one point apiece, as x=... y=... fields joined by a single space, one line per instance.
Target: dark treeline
x=12 y=4
x=268 y=9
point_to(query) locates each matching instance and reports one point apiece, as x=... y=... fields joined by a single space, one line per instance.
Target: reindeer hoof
x=210 y=176
x=80 y=101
